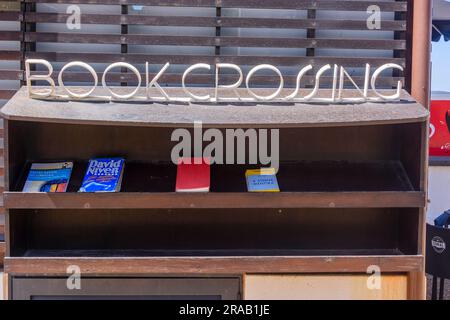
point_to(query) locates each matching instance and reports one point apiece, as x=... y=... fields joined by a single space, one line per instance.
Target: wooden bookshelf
x=351 y=176
x=171 y=200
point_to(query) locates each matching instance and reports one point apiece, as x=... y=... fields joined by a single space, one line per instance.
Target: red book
x=193 y=175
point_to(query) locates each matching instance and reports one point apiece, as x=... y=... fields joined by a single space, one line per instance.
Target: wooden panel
x=214 y=200
x=128 y=288
x=323 y=287
x=21 y=107
x=195 y=265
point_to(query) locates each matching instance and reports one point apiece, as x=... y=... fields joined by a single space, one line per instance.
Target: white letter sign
x=47 y=77
x=242 y=93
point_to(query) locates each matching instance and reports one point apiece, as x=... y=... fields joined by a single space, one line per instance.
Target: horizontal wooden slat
x=10 y=16
x=10 y=55
x=10 y=5
x=232 y=22
x=7 y=94
x=132 y=39
x=344 y=5
x=210 y=265
x=11 y=74
x=11 y=36
x=191 y=59
x=19 y=200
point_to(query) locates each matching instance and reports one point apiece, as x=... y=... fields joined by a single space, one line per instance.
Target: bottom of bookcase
x=194 y=266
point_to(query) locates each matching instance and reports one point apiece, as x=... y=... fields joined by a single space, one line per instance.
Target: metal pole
x=420 y=90
x=421 y=49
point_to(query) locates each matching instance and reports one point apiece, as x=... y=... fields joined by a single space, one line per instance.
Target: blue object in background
x=443 y=220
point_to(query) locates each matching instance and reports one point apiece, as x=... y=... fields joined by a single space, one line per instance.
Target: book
x=262 y=180
x=103 y=175
x=193 y=175
x=48 y=177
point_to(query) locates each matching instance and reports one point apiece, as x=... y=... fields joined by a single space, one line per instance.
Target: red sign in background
x=440 y=128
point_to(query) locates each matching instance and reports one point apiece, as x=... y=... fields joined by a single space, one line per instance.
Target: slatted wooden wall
x=286 y=33
x=11 y=56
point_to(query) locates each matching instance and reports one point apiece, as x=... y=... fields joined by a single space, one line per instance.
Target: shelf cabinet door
x=323 y=287
x=127 y=289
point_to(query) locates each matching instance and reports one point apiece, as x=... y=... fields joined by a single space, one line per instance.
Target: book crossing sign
x=337 y=93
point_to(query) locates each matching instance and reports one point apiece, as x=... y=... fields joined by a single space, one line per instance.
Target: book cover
x=262 y=180
x=103 y=175
x=48 y=177
x=193 y=175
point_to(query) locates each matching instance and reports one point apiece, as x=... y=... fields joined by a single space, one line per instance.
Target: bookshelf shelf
x=301 y=176
x=384 y=184
x=44 y=266
x=172 y=200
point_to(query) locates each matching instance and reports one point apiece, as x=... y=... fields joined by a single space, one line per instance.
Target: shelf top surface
x=276 y=115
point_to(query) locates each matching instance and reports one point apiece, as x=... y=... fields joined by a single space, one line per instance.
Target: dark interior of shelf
x=306 y=176
x=360 y=158
x=220 y=232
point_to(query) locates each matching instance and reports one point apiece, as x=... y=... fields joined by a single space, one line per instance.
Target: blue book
x=262 y=180
x=48 y=177
x=103 y=175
